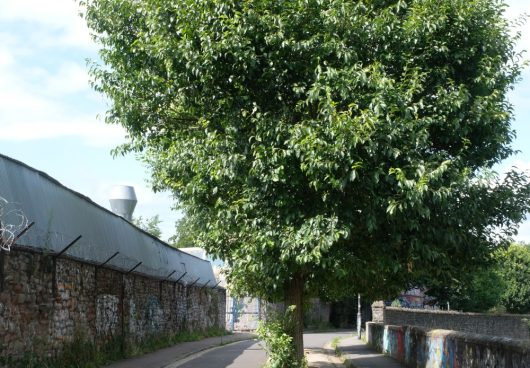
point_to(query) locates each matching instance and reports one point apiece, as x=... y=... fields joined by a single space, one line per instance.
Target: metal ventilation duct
x=123 y=201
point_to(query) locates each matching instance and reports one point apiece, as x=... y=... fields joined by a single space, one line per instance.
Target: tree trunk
x=294 y=293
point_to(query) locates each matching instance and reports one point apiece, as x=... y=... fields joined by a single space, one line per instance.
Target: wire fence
x=9 y=231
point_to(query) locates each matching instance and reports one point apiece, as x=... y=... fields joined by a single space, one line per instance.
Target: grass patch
x=82 y=353
x=335 y=346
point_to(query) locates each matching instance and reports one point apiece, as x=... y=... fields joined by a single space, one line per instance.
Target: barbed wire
x=12 y=222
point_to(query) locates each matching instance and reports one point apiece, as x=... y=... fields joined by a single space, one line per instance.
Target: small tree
x=324 y=145
x=184 y=233
x=477 y=291
x=515 y=271
x=150 y=225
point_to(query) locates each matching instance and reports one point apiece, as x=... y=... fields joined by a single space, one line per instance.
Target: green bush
x=501 y=287
x=278 y=344
x=515 y=271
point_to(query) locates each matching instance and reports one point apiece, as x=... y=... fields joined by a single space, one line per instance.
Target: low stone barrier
x=420 y=347
x=505 y=325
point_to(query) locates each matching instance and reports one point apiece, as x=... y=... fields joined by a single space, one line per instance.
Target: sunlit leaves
x=307 y=136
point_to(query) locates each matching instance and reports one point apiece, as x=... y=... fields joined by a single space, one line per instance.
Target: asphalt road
x=249 y=354
x=244 y=354
x=317 y=340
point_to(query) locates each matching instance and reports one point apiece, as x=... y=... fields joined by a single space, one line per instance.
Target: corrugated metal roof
x=61 y=214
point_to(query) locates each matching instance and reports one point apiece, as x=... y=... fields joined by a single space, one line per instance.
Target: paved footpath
x=318 y=350
x=359 y=355
x=164 y=357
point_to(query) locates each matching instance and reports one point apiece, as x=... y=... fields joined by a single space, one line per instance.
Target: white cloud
x=519 y=165
x=45 y=94
x=94 y=133
x=70 y=78
x=42 y=100
x=5 y=58
x=35 y=111
x=53 y=12
x=59 y=19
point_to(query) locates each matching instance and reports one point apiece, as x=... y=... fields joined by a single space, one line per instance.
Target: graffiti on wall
x=147 y=317
x=417 y=347
x=414 y=298
x=107 y=314
x=154 y=314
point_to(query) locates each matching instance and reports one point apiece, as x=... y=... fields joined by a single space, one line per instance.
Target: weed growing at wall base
x=82 y=353
x=156 y=342
x=335 y=346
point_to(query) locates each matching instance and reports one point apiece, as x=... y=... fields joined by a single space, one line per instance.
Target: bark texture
x=294 y=293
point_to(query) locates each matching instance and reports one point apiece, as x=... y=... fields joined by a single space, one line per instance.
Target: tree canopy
x=328 y=145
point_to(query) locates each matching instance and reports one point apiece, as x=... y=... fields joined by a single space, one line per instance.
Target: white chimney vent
x=123 y=201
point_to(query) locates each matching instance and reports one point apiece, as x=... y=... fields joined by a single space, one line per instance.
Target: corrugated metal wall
x=61 y=215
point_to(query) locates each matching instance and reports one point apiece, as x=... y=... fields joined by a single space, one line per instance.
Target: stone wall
x=419 y=347
x=46 y=302
x=506 y=325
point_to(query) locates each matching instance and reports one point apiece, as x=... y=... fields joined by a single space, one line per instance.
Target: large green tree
x=323 y=144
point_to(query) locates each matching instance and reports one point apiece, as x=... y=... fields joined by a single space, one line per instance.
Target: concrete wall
x=419 y=347
x=47 y=302
x=243 y=314
x=506 y=325
x=378 y=311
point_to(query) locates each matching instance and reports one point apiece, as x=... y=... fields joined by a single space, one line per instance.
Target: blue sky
x=49 y=115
